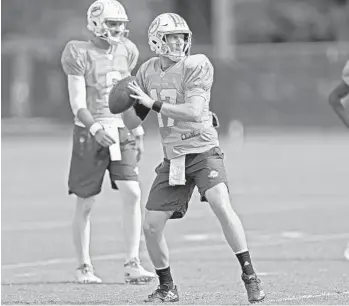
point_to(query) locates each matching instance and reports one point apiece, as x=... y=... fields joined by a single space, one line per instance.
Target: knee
x=149 y=228
x=131 y=190
x=84 y=207
x=152 y=227
x=154 y=222
x=218 y=197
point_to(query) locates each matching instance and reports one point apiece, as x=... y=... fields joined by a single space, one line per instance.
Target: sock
x=245 y=262
x=165 y=277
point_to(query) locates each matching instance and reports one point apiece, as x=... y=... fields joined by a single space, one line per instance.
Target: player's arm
x=133 y=57
x=335 y=100
x=134 y=116
x=340 y=92
x=74 y=65
x=191 y=110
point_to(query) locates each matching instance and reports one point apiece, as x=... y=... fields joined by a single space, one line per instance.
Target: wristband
x=94 y=128
x=157 y=106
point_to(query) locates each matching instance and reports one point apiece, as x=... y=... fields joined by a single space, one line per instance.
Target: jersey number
x=111 y=79
x=169 y=95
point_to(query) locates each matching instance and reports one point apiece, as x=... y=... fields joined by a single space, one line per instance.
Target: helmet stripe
x=177 y=18
x=173 y=18
x=178 y=21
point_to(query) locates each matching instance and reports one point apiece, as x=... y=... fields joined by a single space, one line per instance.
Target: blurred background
x=275 y=60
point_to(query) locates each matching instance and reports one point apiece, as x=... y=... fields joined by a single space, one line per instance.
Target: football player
x=335 y=100
x=177 y=86
x=100 y=140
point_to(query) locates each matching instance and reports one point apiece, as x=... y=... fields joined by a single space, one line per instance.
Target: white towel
x=113 y=131
x=177 y=171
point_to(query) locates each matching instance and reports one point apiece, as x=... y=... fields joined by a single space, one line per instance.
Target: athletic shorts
x=90 y=160
x=204 y=170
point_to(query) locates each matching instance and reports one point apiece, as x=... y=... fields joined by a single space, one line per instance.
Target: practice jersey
x=345 y=73
x=101 y=70
x=192 y=76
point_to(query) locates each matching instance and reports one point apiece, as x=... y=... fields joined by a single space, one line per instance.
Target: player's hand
x=104 y=139
x=139 y=94
x=139 y=147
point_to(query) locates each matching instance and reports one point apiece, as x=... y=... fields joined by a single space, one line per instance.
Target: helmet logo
x=154 y=26
x=97 y=10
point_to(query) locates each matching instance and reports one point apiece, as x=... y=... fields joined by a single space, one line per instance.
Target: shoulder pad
x=198 y=72
x=149 y=62
x=193 y=61
x=74 y=57
x=130 y=46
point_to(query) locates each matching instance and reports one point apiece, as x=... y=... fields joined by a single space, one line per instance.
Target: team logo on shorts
x=213 y=174
x=135 y=170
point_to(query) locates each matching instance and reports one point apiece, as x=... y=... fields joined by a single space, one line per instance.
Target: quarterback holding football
x=177 y=86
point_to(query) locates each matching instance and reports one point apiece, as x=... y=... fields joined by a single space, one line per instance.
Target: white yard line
x=307 y=297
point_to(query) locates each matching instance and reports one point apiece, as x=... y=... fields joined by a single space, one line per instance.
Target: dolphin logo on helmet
x=103 y=12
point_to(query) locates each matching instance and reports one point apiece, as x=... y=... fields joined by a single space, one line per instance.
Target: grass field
x=290 y=189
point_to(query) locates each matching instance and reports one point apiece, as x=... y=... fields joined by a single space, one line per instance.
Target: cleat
x=135 y=274
x=346 y=253
x=163 y=294
x=85 y=275
x=255 y=292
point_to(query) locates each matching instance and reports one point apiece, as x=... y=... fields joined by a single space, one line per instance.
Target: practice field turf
x=290 y=189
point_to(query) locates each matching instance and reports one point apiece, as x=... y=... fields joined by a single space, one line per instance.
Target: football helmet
x=164 y=24
x=107 y=19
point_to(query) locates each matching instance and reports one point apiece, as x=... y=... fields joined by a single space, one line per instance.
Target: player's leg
x=81 y=238
x=142 y=245
x=211 y=180
x=124 y=175
x=132 y=219
x=85 y=180
x=134 y=272
x=346 y=252
x=164 y=202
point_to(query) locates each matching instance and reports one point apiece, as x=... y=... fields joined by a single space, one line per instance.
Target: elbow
x=333 y=100
x=196 y=116
x=78 y=111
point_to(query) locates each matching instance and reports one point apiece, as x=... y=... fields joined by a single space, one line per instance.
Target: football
x=119 y=96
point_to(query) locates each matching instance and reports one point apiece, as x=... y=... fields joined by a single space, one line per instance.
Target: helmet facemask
x=114 y=30
x=162 y=45
x=176 y=51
